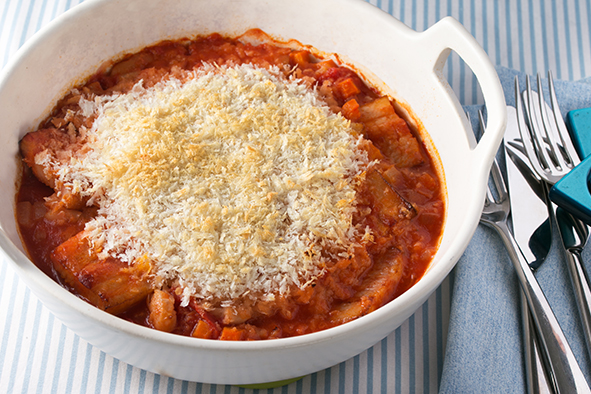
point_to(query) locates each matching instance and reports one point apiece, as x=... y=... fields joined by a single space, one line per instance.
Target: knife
x=532 y=231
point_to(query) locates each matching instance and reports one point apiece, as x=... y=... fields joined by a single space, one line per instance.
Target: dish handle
x=446 y=35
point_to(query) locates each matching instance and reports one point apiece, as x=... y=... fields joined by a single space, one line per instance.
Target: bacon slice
x=109 y=284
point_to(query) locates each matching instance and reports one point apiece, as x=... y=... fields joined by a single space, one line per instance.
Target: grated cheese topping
x=236 y=181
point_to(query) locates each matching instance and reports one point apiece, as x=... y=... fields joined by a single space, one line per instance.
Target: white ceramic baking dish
x=410 y=65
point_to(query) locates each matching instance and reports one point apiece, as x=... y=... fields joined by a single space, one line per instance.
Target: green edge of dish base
x=269 y=385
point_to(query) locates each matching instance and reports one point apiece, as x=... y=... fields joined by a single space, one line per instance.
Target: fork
x=566 y=372
x=553 y=155
x=537 y=369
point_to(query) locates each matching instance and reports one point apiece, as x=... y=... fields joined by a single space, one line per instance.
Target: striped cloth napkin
x=485 y=348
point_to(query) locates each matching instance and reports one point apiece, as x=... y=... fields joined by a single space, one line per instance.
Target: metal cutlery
x=548 y=145
x=532 y=231
x=567 y=374
x=552 y=155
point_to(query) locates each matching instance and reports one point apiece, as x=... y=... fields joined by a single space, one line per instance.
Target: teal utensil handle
x=579 y=127
x=573 y=193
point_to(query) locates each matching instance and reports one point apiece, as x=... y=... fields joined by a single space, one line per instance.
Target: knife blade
x=532 y=231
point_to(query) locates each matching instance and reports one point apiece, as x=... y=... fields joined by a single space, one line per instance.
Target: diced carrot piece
x=109 y=284
x=206 y=316
x=350 y=110
x=347 y=88
x=203 y=330
x=232 y=334
x=300 y=57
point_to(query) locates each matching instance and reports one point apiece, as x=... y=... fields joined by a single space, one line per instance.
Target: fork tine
x=526 y=135
x=565 y=139
x=537 y=124
x=550 y=127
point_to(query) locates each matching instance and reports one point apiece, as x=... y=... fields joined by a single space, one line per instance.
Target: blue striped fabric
x=39 y=355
